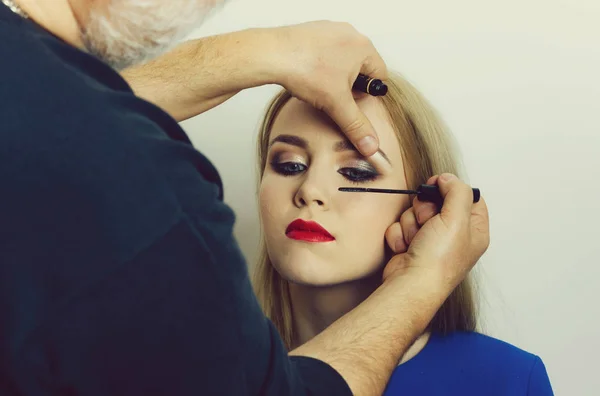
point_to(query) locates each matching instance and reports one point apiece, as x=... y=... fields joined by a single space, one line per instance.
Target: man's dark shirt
x=119 y=273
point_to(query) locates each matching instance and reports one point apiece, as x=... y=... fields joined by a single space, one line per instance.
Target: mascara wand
x=424 y=192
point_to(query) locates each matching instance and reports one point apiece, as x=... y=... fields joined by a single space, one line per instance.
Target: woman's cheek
x=375 y=209
x=377 y=222
x=270 y=203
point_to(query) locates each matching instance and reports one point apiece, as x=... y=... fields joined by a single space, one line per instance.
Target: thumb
x=458 y=197
x=353 y=123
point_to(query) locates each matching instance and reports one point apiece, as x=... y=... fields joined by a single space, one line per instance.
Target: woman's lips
x=308 y=231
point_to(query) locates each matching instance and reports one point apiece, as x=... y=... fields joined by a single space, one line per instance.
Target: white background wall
x=518 y=83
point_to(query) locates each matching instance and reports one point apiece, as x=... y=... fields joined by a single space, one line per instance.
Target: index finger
x=353 y=123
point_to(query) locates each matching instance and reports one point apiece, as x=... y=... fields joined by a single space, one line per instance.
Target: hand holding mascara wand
x=424 y=192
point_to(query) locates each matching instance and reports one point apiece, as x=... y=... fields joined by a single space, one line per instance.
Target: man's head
x=126 y=32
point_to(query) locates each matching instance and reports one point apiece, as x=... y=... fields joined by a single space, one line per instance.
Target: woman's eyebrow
x=346 y=145
x=290 y=139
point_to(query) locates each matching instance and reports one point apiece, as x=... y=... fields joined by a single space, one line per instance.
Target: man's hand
x=318 y=62
x=434 y=252
x=442 y=245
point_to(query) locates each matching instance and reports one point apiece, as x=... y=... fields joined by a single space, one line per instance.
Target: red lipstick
x=308 y=231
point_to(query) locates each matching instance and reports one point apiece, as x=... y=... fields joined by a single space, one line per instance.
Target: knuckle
x=412 y=232
x=354 y=126
x=431 y=208
x=347 y=25
x=418 y=216
x=406 y=215
x=364 y=40
x=456 y=227
x=421 y=216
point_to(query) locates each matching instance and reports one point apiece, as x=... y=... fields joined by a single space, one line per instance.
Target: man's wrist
x=253 y=57
x=422 y=291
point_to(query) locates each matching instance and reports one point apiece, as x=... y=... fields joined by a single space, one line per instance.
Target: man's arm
x=201 y=74
x=318 y=62
x=366 y=344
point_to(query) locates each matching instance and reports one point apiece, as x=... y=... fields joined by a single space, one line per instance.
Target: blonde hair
x=427 y=149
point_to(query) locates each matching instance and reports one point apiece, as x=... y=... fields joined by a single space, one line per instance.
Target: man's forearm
x=366 y=344
x=201 y=74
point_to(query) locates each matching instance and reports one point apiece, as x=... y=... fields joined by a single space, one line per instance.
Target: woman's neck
x=315 y=308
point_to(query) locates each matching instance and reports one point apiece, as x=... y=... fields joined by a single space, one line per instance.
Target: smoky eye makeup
x=287 y=163
x=359 y=171
x=352 y=167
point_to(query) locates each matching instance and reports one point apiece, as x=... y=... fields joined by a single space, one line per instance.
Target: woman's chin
x=321 y=275
x=322 y=268
x=312 y=275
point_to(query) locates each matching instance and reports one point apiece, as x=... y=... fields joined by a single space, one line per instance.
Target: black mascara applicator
x=424 y=192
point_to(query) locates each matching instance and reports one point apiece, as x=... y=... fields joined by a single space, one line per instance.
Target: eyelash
x=360 y=175
x=284 y=168
x=353 y=175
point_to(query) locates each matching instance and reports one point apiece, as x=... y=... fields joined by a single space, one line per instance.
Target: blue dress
x=470 y=364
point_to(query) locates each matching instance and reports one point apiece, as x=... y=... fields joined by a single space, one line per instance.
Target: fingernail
x=446 y=177
x=368 y=144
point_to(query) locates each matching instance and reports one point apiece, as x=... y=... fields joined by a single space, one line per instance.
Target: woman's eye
x=288 y=168
x=358 y=175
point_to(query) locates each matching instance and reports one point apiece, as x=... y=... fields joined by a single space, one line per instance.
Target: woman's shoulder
x=481 y=346
x=470 y=363
x=481 y=352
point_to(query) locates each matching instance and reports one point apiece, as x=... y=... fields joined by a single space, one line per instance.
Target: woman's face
x=315 y=234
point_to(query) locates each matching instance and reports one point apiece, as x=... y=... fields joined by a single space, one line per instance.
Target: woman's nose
x=307 y=202
x=312 y=191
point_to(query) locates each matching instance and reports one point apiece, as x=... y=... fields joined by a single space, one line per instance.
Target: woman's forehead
x=300 y=118
x=296 y=116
